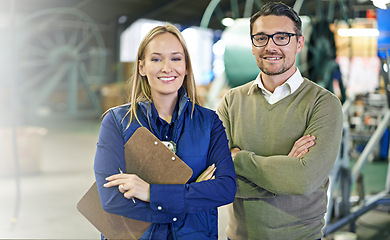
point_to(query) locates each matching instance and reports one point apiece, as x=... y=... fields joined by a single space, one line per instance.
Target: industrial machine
x=59 y=56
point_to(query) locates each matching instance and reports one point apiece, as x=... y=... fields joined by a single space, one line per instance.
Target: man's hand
x=234 y=152
x=301 y=146
x=207 y=174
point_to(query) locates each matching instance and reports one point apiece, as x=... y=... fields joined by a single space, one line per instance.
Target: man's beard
x=278 y=72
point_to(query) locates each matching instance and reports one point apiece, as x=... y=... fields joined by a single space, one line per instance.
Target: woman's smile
x=167 y=79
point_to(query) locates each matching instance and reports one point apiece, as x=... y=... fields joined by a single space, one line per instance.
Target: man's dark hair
x=278 y=9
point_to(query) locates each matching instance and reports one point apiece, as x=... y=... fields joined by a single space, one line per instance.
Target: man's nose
x=270 y=43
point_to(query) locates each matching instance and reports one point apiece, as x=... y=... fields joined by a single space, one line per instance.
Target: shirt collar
x=156 y=118
x=180 y=105
x=293 y=82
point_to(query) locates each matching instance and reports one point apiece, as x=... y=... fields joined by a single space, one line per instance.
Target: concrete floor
x=49 y=196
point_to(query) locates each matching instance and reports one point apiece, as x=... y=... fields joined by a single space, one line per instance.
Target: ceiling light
x=381 y=3
x=227 y=22
x=358 y=32
x=122 y=19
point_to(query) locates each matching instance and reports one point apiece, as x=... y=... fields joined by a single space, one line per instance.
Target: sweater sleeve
x=200 y=196
x=264 y=176
x=245 y=188
x=285 y=175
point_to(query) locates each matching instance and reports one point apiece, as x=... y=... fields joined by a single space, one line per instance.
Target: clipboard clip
x=170 y=145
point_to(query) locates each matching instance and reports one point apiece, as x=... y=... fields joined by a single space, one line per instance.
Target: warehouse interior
x=65 y=62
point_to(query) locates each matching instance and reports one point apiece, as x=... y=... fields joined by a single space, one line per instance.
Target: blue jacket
x=178 y=211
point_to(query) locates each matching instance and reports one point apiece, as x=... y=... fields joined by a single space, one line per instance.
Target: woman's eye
x=155 y=60
x=176 y=59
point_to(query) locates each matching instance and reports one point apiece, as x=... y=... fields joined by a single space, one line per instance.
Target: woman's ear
x=141 y=68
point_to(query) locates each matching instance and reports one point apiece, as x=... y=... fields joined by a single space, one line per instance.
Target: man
x=284 y=134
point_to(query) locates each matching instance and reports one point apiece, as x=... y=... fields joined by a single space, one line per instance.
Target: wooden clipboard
x=152 y=161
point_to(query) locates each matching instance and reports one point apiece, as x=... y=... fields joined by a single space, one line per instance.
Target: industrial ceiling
x=185 y=12
x=58 y=45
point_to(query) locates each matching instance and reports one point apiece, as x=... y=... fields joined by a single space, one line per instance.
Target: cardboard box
x=113 y=95
x=26 y=149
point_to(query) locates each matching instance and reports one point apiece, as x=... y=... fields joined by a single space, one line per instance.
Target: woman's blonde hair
x=138 y=85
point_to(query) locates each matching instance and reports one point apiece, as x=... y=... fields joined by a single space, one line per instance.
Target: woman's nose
x=166 y=66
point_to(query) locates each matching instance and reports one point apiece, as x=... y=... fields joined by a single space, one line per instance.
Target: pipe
x=248 y=8
x=384 y=123
x=379 y=200
x=208 y=13
x=14 y=119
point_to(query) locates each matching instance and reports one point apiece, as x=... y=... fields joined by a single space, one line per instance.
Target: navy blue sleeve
x=196 y=197
x=109 y=157
x=168 y=202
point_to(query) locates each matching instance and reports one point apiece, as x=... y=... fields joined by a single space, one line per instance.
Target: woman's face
x=164 y=65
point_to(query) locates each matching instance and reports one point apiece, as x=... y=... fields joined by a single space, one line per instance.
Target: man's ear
x=301 y=43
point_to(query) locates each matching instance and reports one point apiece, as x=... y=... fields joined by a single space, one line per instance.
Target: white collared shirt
x=282 y=91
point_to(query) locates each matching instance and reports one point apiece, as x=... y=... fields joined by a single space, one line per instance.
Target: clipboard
x=151 y=160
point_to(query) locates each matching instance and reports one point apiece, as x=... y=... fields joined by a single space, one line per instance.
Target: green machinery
x=317 y=62
x=58 y=54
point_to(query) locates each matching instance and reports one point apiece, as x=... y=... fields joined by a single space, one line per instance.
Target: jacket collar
x=183 y=99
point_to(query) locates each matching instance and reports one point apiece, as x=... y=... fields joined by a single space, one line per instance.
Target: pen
x=120 y=170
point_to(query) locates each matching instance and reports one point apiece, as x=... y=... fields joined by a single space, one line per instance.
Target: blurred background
x=64 y=62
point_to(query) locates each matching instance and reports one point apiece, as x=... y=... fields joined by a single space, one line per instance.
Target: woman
x=163 y=99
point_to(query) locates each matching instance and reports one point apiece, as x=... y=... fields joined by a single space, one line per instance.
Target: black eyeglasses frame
x=272 y=37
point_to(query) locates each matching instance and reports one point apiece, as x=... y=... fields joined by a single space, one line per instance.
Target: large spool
x=240 y=64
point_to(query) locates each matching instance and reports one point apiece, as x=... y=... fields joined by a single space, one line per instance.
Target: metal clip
x=170 y=145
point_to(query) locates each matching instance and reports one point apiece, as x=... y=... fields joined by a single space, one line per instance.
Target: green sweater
x=280 y=197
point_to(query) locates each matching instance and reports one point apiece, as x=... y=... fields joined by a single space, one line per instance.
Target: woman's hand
x=301 y=146
x=207 y=174
x=130 y=185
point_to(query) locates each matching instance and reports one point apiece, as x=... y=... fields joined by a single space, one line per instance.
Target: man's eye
x=281 y=37
x=262 y=38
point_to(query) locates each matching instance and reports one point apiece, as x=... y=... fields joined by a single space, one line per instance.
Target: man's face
x=273 y=59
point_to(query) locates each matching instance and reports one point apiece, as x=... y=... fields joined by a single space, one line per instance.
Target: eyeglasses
x=280 y=39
